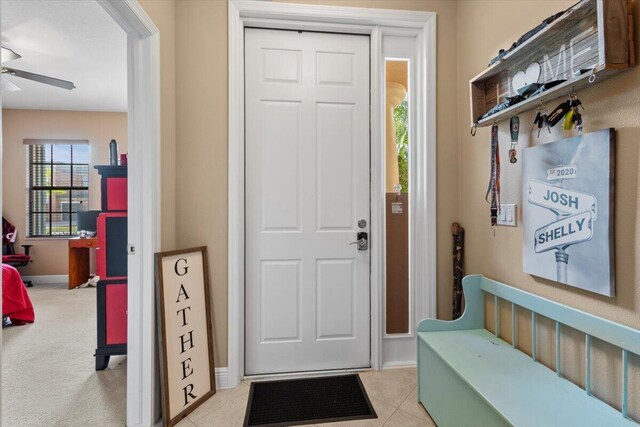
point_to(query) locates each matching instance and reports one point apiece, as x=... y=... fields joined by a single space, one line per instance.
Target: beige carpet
x=48 y=371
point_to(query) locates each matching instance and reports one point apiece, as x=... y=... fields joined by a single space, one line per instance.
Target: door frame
x=143 y=77
x=376 y=23
x=143 y=236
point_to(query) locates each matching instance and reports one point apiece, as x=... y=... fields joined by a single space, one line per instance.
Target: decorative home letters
x=185 y=321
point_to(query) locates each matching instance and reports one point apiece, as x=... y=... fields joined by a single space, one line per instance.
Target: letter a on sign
x=188 y=373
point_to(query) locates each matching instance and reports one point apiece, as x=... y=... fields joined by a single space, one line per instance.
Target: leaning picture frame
x=185 y=332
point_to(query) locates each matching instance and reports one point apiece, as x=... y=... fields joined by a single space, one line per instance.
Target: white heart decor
x=522 y=80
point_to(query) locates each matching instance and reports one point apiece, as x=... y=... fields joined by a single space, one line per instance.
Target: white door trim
x=143 y=45
x=375 y=23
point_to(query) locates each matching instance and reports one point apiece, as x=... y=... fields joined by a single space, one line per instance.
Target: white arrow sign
x=567 y=231
x=561 y=199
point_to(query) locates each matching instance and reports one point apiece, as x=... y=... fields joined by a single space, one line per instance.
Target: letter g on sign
x=185 y=267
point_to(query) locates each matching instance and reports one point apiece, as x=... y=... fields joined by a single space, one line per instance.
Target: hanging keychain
x=577 y=117
x=541 y=119
x=573 y=118
x=514 y=126
x=493 y=191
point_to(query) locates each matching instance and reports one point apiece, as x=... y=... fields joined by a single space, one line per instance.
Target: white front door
x=307 y=295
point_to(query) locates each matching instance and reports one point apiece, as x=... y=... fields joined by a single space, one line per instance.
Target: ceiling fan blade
x=8 y=86
x=40 y=78
x=8 y=55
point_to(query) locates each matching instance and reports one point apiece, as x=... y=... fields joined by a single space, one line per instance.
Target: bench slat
x=524 y=392
x=619 y=335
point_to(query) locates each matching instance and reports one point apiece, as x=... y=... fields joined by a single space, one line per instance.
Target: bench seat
x=488 y=383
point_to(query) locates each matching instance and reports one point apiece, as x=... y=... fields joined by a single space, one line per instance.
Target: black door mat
x=307 y=401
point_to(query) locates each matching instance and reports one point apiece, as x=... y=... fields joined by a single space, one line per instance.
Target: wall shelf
x=592 y=34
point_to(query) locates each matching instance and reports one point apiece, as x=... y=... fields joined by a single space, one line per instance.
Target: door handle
x=362 y=242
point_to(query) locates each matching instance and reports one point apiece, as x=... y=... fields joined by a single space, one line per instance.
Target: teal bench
x=467 y=376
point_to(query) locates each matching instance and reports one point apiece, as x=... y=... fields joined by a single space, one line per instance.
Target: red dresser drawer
x=116 y=313
x=116 y=193
x=113 y=186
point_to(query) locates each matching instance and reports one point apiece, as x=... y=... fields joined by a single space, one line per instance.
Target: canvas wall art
x=568 y=211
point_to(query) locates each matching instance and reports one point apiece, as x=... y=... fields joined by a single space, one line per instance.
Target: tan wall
x=50 y=255
x=201 y=142
x=613 y=103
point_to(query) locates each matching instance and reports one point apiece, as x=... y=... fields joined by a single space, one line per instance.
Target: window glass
x=397 y=151
x=58 y=188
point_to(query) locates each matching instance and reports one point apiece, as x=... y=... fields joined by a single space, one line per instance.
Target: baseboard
x=222 y=378
x=400 y=364
x=47 y=280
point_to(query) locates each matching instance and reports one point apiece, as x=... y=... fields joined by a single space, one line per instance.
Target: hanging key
x=514 y=125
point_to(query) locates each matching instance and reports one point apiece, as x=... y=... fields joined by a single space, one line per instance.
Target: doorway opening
x=142 y=95
x=67 y=101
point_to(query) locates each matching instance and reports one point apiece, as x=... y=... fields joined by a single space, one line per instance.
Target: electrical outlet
x=507 y=215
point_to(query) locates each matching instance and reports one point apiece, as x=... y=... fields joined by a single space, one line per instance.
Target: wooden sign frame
x=169 y=418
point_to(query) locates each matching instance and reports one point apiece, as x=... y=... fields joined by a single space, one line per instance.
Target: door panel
x=280 y=185
x=335 y=166
x=307 y=185
x=336 y=309
x=280 y=301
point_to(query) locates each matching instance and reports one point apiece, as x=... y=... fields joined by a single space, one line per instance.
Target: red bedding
x=15 y=300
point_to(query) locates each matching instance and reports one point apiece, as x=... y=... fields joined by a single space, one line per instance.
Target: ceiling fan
x=10 y=55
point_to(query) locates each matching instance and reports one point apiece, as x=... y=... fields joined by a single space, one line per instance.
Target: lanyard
x=493 y=189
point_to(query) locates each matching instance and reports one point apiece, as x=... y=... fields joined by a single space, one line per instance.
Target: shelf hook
x=542 y=106
x=474 y=129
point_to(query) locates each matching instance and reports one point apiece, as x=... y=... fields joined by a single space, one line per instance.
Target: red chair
x=9 y=255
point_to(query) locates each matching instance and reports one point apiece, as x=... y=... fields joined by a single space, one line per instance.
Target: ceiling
x=70 y=40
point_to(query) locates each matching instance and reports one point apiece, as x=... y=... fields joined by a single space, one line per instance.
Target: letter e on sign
x=185 y=327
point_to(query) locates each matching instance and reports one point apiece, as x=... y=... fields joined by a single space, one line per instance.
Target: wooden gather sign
x=188 y=373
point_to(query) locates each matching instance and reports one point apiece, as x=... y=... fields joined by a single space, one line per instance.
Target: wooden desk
x=79 y=260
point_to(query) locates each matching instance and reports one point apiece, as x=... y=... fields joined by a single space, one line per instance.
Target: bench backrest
x=623 y=337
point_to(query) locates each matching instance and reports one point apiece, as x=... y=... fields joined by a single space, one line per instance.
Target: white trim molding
x=143 y=46
x=222 y=378
x=376 y=23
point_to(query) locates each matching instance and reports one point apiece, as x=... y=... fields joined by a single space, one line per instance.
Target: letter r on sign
x=188 y=393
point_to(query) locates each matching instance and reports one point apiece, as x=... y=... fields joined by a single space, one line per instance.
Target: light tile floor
x=392 y=392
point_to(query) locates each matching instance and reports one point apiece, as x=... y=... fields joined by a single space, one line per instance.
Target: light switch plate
x=507 y=215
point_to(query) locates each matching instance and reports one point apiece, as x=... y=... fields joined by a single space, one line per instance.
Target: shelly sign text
x=187 y=353
x=566 y=231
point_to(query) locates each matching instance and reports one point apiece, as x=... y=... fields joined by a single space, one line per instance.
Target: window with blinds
x=58 y=188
